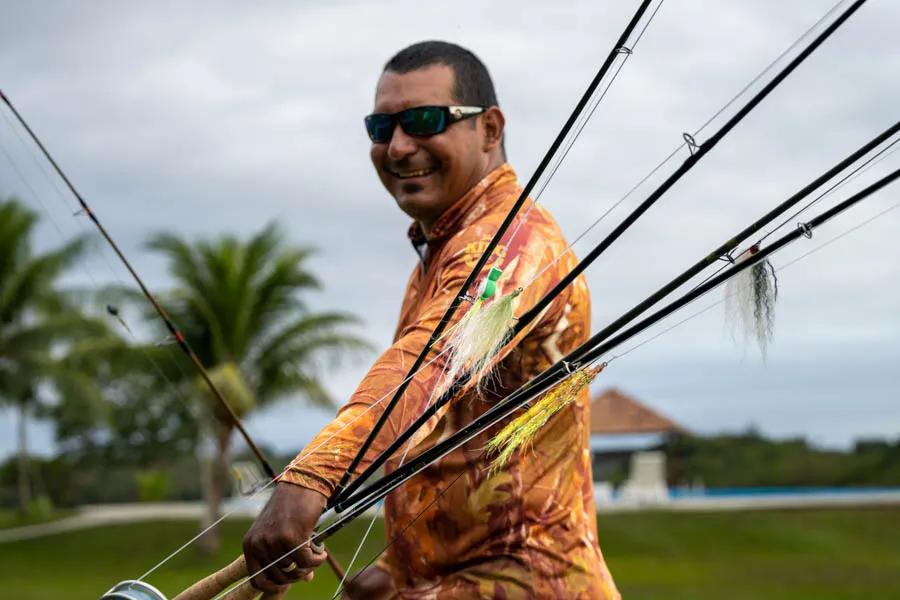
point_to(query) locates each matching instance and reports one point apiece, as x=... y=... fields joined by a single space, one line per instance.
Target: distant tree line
x=132 y=418
x=133 y=421
x=751 y=460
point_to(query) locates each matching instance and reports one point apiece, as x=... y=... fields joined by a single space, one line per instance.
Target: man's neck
x=494 y=163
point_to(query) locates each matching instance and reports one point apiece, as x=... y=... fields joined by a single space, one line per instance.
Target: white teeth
x=418 y=173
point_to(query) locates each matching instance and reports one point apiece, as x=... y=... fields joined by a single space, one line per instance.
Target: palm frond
x=36 y=277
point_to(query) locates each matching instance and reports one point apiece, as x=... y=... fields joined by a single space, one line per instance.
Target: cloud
x=199 y=119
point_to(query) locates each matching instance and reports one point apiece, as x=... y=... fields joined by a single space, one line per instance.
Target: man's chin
x=419 y=204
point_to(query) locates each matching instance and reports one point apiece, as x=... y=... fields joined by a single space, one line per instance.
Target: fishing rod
x=724 y=251
x=239 y=579
x=618 y=48
x=576 y=358
x=339 y=500
x=694 y=315
x=351 y=515
x=586 y=353
x=176 y=334
x=164 y=316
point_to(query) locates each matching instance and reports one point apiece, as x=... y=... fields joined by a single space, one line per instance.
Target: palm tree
x=37 y=325
x=239 y=304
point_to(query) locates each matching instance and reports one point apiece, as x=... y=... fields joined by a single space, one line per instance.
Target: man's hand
x=373 y=583
x=285 y=523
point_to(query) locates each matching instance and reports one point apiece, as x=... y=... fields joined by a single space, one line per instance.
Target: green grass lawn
x=12 y=518
x=824 y=554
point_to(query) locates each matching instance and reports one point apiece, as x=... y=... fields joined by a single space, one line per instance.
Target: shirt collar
x=451 y=221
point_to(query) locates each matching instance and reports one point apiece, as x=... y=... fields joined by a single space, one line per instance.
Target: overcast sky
x=220 y=117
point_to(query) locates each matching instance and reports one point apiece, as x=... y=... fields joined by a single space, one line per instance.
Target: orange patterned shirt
x=529 y=530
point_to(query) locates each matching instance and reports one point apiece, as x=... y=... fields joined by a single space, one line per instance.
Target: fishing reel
x=212 y=586
x=133 y=590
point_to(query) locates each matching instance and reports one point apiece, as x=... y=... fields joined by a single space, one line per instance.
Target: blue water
x=736 y=492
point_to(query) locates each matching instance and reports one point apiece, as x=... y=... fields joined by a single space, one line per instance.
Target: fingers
x=267 y=564
x=260 y=581
x=290 y=564
x=279 y=575
x=275 y=542
x=307 y=556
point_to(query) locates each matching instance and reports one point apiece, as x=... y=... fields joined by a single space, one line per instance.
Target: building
x=624 y=435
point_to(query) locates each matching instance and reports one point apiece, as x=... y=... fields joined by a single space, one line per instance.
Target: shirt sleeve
x=321 y=465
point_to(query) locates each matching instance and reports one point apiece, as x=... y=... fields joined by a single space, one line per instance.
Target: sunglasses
x=419 y=121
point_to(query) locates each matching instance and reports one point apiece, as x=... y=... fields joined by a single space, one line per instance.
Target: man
x=458 y=530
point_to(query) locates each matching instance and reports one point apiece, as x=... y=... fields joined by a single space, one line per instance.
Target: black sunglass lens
x=424 y=120
x=380 y=127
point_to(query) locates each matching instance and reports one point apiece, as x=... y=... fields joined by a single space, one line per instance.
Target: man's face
x=426 y=175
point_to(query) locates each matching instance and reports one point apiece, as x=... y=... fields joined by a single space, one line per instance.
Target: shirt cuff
x=307 y=480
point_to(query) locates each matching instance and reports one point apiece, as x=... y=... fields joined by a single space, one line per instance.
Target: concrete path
x=113 y=514
x=99 y=515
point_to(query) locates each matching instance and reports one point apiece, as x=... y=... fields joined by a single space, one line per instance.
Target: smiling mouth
x=412 y=174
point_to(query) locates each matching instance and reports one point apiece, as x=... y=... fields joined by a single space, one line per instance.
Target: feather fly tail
x=521 y=431
x=479 y=336
x=750 y=301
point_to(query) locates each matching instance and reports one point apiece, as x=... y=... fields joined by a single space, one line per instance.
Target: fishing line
x=381 y=506
x=173 y=388
x=627 y=53
x=871 y=162
x=339 y=500
x=878 y=158
x=82 y=265
x=488 y=251
x=577 y=355
x=319 y=536
x=104 y=253
x=528 y=392
x=304 y=544
x=54 y=185
x=174 y=331
x=768 y=68
x=182 y=343
x=778 y=269
x=337 y=525
x=697 y=153
x=304 y=454
x=412 y=521
x=578 y=129
x=584 y=118
x=647 y=341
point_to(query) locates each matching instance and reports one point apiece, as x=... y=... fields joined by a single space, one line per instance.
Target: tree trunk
x=217 y=484
x=24 y=484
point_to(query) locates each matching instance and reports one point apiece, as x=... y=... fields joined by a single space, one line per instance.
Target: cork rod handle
x=212 y=585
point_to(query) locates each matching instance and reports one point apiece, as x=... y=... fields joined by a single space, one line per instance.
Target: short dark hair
x=472 y=84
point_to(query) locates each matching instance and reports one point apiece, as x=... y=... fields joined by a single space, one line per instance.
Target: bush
x=153 y=485
x=40 y=508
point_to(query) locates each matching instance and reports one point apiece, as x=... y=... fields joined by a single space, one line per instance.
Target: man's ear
x=493 y=123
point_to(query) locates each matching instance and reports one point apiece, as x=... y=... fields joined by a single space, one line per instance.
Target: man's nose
x=401 y=145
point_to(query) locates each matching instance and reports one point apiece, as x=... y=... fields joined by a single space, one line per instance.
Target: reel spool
x=133 y=590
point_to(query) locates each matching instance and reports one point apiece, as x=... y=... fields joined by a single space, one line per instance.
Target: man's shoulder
x=533 y=230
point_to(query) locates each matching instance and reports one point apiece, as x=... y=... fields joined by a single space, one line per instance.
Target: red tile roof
x=614 y=411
